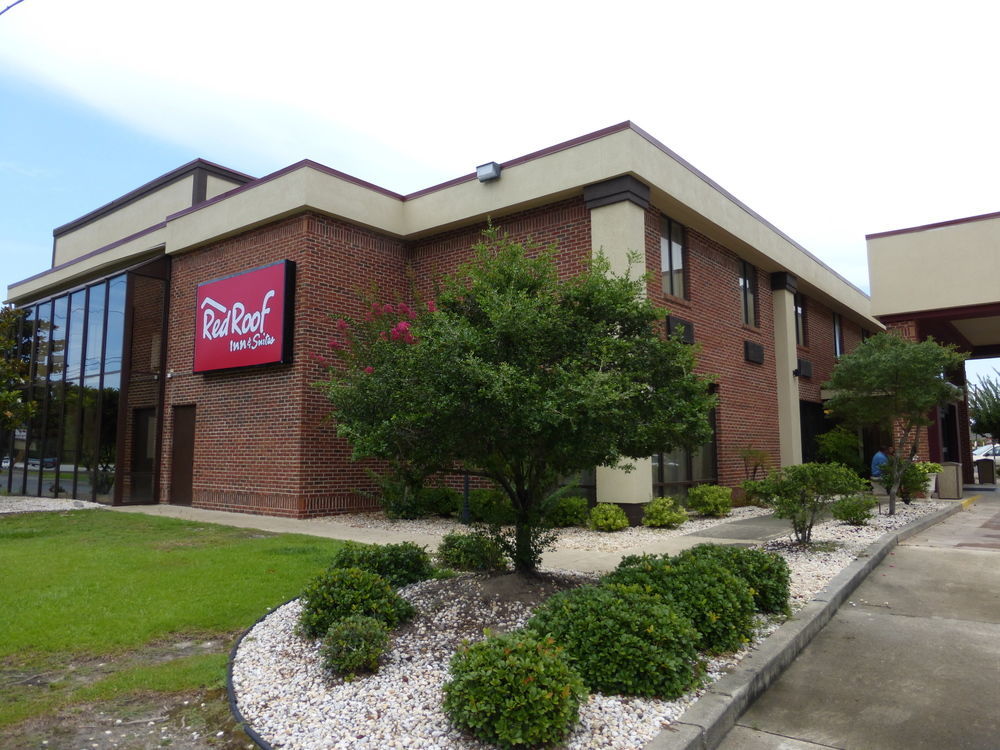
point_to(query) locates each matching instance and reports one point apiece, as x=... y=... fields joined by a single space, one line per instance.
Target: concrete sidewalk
x=911 y=660
x=742 y=531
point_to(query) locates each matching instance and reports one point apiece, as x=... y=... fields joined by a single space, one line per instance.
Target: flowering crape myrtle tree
x=518 y=377
x=894 y=383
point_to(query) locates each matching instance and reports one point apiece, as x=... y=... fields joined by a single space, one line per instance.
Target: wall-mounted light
x=488 y=171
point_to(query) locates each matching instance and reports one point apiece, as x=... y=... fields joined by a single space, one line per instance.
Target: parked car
x=987 y=451
x=5 y=463
x=49 y=462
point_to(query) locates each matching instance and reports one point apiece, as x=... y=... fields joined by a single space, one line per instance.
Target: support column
x=618 y=227
x=783 y=287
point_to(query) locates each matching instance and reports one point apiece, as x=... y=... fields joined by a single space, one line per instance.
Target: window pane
x=104 y=478
x=57 y=337
x=116 y=325
x=665 y=270
x=677 y=258
x=74 y=340
x=95 y=330
x=43 y=324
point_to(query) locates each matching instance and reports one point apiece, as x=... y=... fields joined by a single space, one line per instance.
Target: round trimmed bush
x=855 y=510
x=567 y=510
x=622 y=641
x=717 y=602
x=473 y=551
x=354 y=645
x=513 y=690
x=607 y=517
x=399 y=564
x=766 y=573
x=663 y=512
x=342 y=592
x=710 y=500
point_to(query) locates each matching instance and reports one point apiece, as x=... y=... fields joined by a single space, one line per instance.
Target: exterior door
x=143 y=455
x=182 y=459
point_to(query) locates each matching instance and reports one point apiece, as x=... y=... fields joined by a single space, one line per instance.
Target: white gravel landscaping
x=19 y=504
x=286 y=696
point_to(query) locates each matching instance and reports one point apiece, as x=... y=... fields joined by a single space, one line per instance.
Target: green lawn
x=96 y=605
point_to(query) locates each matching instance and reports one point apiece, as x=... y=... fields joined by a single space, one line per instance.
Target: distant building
x=170 y=340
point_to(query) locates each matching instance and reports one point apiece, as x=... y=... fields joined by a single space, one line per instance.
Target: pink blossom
x=388 y=309
x=336 y=345
x=432 y=306
x=404 y=309
x=342 y=324
x=319 y=358
x=383 y=335
x=369 y=370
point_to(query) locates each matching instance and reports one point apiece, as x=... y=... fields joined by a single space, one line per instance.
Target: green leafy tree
x=517 y=376
x=14 y=411
x=894 y=383
x=984 y=407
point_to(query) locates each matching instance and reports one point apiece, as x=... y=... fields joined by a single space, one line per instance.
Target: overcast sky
x=832 y=120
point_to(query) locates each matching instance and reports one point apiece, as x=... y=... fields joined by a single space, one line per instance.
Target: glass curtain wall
x=74 y=344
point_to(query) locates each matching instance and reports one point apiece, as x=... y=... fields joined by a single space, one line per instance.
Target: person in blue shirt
x=880 y=459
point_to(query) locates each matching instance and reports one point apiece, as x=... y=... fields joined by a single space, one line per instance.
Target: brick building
x=136 y=408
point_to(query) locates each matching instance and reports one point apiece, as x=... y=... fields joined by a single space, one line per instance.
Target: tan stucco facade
x=785 y=360
x=954 y=264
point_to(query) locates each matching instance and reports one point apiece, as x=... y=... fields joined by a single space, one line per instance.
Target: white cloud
x=832 y=121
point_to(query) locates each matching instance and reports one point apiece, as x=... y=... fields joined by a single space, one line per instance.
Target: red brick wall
x=262 y=441
x=747 y=414
x=819 y=347
x=565 y=224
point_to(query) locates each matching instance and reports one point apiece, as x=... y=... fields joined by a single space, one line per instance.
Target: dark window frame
x=668 y=272
x=676 y=489
x=838 y=335
x=801 y=320
x=748 y=294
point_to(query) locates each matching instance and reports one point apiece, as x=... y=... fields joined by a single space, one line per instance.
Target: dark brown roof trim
x=937 y=225
x=192 y=167
x=985 y=310
x=596 y=135
x=281 y=173
x=92 y=253
x=736 y=201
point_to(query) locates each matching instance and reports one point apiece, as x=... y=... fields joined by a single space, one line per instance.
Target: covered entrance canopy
x=942 y=280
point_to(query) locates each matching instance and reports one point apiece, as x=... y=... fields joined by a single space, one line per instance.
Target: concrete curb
x=708 y=721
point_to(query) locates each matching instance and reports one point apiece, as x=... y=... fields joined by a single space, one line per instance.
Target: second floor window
x=748 y=293
x=838 y=335
x=672 y=257
x=800 y=321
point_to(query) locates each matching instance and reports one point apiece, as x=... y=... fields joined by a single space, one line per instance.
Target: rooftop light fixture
x=488 y=171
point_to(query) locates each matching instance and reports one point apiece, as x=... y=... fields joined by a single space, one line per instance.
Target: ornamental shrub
x=607 y=517
x=710 y=500
x=803 y=492
x=473 y=551
x=855 y=510
x=766 y=573
x=491 y=507
x=663 y=512
x=399 y=564
x=354 y=644
x=565 y=510
x=440 y=501
x=341 y=592
x=513 y=690
x=622 y=640
x=717 y=602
